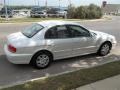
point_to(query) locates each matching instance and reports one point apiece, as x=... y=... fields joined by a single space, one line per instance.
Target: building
x=110 y=9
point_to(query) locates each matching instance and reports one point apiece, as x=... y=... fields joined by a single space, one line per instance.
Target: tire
x=104 y=49
x=41 y=60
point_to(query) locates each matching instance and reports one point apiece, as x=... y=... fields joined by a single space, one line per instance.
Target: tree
x=71 y=11
x=81 y=12
x=85 y=12
x=94 y=11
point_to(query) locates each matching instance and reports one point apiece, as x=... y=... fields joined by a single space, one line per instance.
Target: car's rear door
x=60 y=41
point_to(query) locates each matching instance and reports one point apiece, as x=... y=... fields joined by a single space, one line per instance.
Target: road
x=10 y=73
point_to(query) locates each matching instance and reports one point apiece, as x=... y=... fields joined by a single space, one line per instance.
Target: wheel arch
x=107 y=42
x=42 y=51
x=104 y=43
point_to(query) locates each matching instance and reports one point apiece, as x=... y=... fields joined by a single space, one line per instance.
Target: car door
x=83 y=42
x=60 y=41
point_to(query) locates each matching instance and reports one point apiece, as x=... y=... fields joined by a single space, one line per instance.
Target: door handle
x=50 y=44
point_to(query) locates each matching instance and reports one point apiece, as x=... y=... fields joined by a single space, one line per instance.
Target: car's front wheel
x=41 y=60
x=104 y=49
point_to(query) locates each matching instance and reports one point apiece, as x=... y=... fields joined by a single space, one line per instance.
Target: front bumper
x=114 y=44
x=17 y=58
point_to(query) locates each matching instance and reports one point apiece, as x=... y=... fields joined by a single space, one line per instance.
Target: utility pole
x=6 y=11
x=34 y=2
x=8 y=2
x=70 y=2
x=59 y=5
x=38 y=2
x=46 y=5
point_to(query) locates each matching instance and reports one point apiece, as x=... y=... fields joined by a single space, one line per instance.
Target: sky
x=63 y=3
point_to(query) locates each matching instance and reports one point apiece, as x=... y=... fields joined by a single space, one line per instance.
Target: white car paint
x=60 y=48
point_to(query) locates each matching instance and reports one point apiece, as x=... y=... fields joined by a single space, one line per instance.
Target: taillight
x=11 y=48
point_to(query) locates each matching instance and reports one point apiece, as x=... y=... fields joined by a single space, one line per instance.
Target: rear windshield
x=32 y=30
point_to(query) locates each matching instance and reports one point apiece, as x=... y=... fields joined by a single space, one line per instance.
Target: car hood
x=101 y=33
x=17 y=39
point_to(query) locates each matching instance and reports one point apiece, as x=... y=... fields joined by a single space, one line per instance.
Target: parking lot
x=10 y=74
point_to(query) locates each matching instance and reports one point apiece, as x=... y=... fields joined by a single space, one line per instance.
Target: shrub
x=85 y=12
x=71 y=11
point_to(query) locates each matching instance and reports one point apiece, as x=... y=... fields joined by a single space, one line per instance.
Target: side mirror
x=93 y=34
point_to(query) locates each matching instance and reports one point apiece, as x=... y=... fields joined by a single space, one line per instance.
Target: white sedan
x=43 y=42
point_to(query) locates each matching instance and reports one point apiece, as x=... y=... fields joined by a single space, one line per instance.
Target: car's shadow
x=74 y=62
x=11 y=73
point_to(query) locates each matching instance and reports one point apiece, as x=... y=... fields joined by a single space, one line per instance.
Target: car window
x=57 y=32
x=32 y=30
x=78 y=31
x=62 y=32
x=51 y=33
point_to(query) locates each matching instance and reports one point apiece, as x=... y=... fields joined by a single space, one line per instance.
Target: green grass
x=72 y=80
x=18 y=20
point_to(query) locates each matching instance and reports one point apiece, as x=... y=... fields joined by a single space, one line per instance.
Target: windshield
x=32 y=30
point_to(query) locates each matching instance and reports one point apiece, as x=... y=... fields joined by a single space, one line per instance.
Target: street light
x=70 y=2
x=46 y=5
x=59 y=5
x=38 y=2
x=6 y=11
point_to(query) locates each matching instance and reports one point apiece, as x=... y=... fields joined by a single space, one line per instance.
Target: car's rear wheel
x=41 y=60
x=104 y=49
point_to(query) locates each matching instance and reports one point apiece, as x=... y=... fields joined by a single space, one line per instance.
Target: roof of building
x=111 y=7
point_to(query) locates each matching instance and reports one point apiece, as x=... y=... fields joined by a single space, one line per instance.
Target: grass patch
x=18 y=20
x=72 y=80
x=29 y=19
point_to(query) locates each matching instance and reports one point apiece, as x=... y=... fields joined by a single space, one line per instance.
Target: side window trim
x=68 y=26
x=47 y=32
x=56 y=33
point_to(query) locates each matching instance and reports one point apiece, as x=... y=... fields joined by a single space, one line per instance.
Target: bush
x=81 y=12
x=94 y=12
x=71 y=11
x=85 y=12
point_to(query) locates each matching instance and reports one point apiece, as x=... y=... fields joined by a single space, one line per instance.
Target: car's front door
x=83 y=42
x=59 y=39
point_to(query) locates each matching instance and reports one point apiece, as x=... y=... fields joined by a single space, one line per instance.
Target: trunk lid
x=17 y=39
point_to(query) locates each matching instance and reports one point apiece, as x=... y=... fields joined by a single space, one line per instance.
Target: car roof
x=50 y=23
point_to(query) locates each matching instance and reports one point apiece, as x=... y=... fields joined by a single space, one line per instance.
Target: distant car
x=38 y=12
x=62 y=13
x=56 y=12
x=22 y=14
x=45 y=41
x=52 y=12
x=3 y=13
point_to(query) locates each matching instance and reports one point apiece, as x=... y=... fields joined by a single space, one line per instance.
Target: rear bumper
x=17 y=58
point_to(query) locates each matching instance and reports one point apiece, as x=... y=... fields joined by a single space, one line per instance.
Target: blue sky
x=56 y=2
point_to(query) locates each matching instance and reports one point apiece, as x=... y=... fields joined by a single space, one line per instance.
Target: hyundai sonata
x=42 y=42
